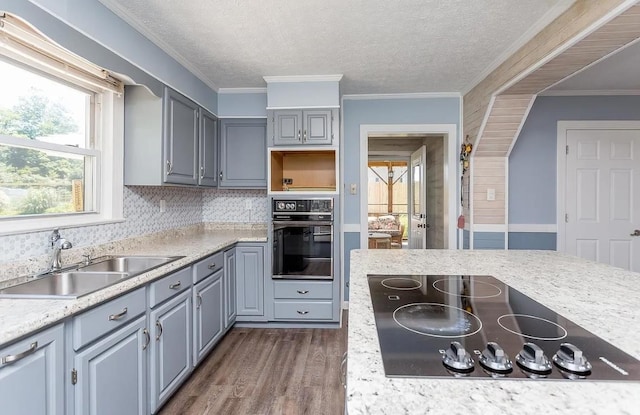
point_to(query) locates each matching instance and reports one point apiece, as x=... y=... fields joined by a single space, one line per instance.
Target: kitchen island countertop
x=19 y=317
x=602 y=299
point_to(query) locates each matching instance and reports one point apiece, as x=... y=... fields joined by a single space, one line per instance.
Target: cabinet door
x=208 y=174
x=243 y=154
x=317 y=127
x=288 y=127
x=180 y=139
x=229 y=287
x=171 y=347
x=208 y=311
x=112 y=373
x=32 y=375
x=250 y=280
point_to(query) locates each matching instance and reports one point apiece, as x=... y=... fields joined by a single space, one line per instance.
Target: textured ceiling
x=380 y=46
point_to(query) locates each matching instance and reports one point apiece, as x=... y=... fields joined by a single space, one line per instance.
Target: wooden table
x=379 y=240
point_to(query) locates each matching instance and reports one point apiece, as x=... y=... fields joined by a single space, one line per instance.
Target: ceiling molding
x=409 y=95
x=569 y=93
x=131 y=21
x=242 y=90
x=544 y=21
x=302 y=78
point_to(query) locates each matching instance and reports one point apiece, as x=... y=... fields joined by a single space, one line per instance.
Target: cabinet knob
x=298 y=134
x=169 y=167
x=220 y=174
x=202 y=172
x=304 y=136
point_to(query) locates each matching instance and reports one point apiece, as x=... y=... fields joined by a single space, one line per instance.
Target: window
x=58 y=135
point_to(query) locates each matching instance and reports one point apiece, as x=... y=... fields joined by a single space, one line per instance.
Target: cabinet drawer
x=208 y=266
x=105 y=318
x=303 y=310
x=303 y=289
x=169 y=286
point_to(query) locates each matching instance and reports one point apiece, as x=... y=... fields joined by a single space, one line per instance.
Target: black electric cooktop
x=471 y=326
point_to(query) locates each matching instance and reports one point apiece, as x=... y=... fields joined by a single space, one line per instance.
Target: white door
x=417 y=205
x=603 y=196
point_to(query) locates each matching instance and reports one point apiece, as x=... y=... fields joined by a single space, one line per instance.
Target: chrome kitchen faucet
x=57 y=244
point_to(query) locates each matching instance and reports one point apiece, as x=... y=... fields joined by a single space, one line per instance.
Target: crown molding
x=408 y=95
x=533 y=30
x=302 y=78
x=586 y=92
x=153 y=38
x=242 y=90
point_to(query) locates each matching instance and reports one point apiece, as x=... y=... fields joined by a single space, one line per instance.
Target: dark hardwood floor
x=267 y=371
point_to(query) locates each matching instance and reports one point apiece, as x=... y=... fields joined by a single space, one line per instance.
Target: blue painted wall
x=252 y=105
x=532 y=240
x=466 y=239
x=532 y=164
x=488 y=240
x=351 y=241
x=111 y=43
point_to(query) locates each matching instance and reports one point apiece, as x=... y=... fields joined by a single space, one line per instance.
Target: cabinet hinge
x=566 y=218
x=567 y=150
x=74 y=376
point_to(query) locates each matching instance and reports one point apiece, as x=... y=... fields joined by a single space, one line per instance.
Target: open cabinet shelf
x=303 y=170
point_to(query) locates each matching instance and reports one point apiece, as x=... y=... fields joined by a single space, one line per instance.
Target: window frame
x=104 y=142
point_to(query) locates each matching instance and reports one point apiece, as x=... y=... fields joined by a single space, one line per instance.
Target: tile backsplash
x=222 y=205
x=184 y=206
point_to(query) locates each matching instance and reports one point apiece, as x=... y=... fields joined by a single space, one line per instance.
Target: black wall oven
x=302 y=239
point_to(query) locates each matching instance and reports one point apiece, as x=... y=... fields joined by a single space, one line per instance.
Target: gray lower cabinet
x=243 y=154
x=32 y=374
x=111 y=374
x=170 y=362
x=250 y=277
x=208 y=314
x=310 y=127
x=229 y=288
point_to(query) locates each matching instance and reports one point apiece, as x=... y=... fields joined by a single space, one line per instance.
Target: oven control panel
x=303 y=206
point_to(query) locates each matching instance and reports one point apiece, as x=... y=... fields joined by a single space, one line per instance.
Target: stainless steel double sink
x=82 y=279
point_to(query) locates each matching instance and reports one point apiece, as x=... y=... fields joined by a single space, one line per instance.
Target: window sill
x=27 y=225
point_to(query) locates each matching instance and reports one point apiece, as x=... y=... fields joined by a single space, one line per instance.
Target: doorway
x=444 y=173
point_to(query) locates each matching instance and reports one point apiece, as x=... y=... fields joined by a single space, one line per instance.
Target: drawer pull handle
x=118 y=316
x=212 y=265
x=303 y=291
x=146 y=333
x=159 y=326
x=199 y=302
x=176 y=285
x=15 y=357
x=303 y=312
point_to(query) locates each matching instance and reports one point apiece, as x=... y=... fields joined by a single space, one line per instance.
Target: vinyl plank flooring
x=267 y=371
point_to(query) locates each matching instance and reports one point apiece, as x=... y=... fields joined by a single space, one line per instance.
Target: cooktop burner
x=469 y=326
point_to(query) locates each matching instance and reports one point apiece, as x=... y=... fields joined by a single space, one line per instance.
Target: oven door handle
x=302 y=223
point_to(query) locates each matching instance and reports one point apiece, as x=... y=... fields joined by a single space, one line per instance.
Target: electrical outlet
x=163 y=205
x=248 y=204
x=491 y=194
x=287 y=180
x=353 y=189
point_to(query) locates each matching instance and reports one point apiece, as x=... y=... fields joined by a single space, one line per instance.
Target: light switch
x=353 y=189
x=491 y=194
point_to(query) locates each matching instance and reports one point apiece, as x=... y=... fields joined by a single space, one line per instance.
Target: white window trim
x=33 y=49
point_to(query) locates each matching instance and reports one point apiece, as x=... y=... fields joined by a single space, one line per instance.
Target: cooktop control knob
x=533 y=361
x=570 y=359
x=457 y=359
x=495 y=361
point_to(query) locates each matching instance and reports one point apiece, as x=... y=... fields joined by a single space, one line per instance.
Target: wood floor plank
x=267 y=371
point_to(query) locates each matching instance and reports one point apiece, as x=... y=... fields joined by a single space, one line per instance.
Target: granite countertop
x=19 y=317
x=602 y=299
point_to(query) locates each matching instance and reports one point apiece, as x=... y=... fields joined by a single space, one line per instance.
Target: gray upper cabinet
x=208 y=174
x=168 y=140
x=243 y=154
x=180 y=139
x=307 y=127
x=32 y=375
